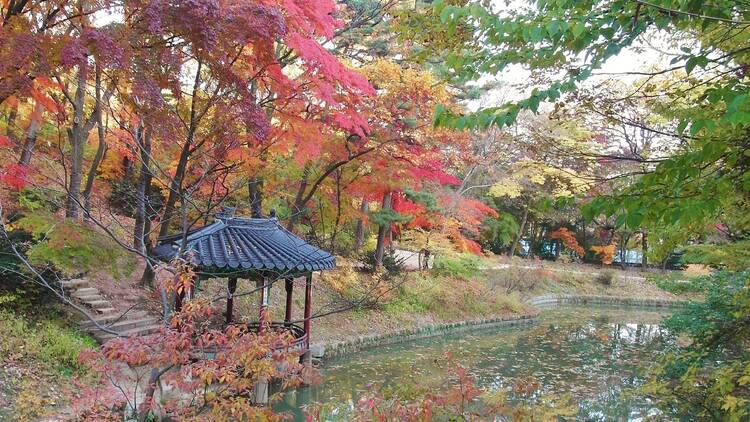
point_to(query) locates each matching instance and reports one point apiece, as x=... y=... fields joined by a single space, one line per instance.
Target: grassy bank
x=40 y=355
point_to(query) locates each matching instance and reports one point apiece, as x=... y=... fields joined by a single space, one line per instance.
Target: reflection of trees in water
x=593 y=355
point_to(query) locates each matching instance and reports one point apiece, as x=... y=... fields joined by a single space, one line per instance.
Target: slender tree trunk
x=175 y=187
x=644 y=250
x=337 y=221
x=383 y=233
x=77 y=135
x=255 y=190
x=359 y=236
x=140 y=189
x=517 y=239
x=298 y=207
x=101 y=148
x=31 y=134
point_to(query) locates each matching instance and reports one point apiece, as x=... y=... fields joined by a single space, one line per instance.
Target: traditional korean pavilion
x=254 y=249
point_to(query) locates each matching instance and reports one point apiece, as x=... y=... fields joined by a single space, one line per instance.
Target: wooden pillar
x=308 y=313
x=289 y=290
x=264 y=287
x=231 y=288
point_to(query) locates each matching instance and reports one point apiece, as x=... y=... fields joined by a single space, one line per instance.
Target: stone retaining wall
x=541 y=301
x=341 y=348
x=331 y=350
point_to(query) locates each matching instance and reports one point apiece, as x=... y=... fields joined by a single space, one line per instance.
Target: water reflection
x=591 y=354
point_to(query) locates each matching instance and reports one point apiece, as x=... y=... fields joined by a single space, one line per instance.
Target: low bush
x=679 y=287
x=46 y=342
x=463 y=266
x=605 y=278
x=519 y=279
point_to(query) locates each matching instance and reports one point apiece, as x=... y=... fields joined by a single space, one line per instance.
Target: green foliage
x=47 y=342
x=425 y=198
x=388 y=216
x=733 y=256
x=463 y=266
x=72 y=247
x=498 y=233
x=708 y=378
x=682 y=286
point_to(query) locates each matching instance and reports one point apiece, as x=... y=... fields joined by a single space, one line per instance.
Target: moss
x=74 y=248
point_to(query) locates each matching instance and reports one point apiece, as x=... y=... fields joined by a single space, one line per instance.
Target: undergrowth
x=73 y=248
x=463 y=266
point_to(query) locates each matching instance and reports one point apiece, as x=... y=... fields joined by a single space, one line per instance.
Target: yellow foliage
x=606 y=253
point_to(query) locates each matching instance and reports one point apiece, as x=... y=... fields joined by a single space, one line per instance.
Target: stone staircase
x=131 y=323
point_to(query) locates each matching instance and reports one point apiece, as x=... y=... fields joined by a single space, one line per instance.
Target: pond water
x=598 y=356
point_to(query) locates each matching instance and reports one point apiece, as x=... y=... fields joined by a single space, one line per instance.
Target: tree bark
x=77 y=136
x=31 y=135
x=299 y=202
x=101 y=148
x=644 y=250
x=140 y=189
x=359 y=236
x=255 y=191
x=175 y=187
x=517 y=239
x=383 y=233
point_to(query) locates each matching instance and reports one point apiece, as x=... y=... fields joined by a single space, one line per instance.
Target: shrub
x=518 y=279
x=460 y=265
x=732 y=256
x=605 y=278
x=707 y=378
x=50 y=344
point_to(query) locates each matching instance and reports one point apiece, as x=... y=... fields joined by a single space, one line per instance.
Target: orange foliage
x=568 y=239
x=606 y=253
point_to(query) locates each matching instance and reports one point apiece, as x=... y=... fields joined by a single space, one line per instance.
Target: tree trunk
x=175 y=187
x=383 y=233
x=359 y=236
x=298 y=207
x=517 y=239
x=101 y=148
x=139 y=229
x=77 y=135
x=31 y=134
x=255 y=190
x=644 y=250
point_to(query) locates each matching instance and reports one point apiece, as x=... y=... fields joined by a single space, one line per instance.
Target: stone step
x=115 y=316
x=99 y=304
x=85 y=291
x=140 y=331
x=127 y=324
x=75 y=283
x=92 y=298
x=105 y=310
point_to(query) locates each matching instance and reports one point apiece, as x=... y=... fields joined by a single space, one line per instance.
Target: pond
x=596 y=355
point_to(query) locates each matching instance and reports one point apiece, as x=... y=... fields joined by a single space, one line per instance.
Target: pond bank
x=331 y=350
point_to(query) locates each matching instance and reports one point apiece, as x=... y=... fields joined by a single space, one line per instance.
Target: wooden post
x=307 y=358
x=289 y=289
x=264 y=287
x=231 y=288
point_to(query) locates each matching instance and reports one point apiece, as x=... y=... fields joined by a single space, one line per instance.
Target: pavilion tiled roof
x=246 y=244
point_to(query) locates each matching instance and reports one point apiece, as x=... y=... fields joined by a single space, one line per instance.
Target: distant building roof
x=237 y=244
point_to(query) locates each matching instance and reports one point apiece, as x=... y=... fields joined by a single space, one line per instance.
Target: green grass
x=46 y=343
x=460 y=266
